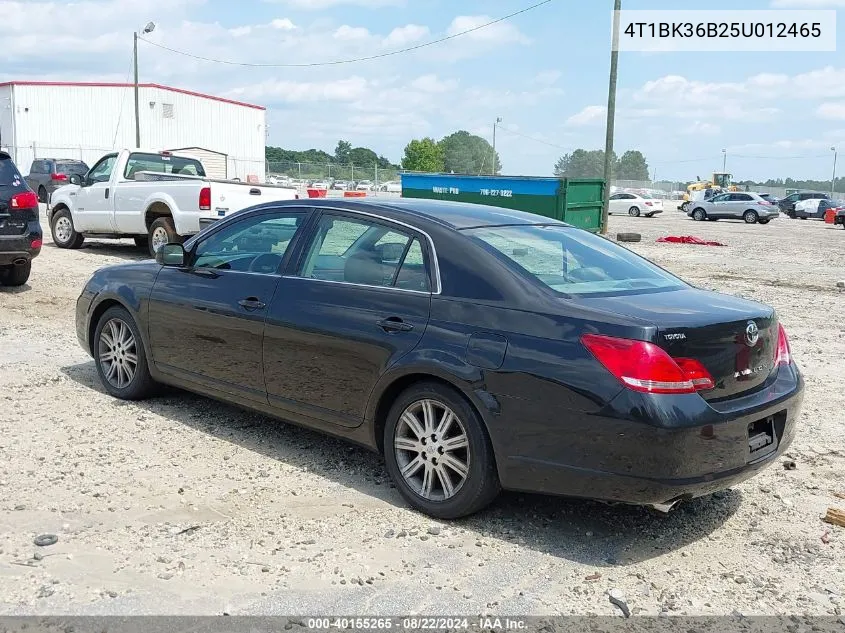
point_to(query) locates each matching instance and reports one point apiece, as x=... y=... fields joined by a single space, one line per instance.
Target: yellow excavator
x=721 y=181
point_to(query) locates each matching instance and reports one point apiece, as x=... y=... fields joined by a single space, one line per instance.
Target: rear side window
x=9 y=174
x=571 y=261
x=71 y=167
x=162 y=164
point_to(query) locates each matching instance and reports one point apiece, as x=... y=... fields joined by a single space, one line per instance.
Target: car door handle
x=395 y=324
x=251 y=303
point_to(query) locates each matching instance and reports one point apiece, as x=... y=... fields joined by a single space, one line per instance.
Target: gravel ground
x=183 y=505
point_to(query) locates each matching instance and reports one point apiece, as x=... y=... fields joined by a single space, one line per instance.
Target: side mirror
x=171 y=255
x=75 y=179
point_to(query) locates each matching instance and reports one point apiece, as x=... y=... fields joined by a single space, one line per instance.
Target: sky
x=545 y=73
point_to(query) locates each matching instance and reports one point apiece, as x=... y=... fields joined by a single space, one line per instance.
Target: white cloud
x=832 y=111
x=316 y=5
x=347 y=32
x=240 y=31
x=404 y=35
x=701 y=128
x=433 y=84
x=283 y=24
x=591 y=115
x=304 y=91
x=501 y=32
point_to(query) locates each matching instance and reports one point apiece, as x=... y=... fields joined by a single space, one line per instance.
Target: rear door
x=358 y=301
x=13 y=222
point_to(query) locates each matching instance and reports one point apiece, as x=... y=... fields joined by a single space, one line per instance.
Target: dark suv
x=787 y=204
x=20 y=229
x=48 y=174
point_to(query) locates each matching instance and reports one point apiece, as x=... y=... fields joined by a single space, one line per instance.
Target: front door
x=358 y=301
x=206 y=319
x=92 y=209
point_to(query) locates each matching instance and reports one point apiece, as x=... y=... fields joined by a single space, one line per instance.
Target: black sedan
x=476 y=348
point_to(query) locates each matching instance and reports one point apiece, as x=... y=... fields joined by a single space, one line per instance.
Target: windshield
x=572 y=261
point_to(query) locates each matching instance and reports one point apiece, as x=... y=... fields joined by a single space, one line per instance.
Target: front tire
x=63 y=232
x=438 y=453
x=699 y=215
x=750 y=217
x=634 y=212
x=162 y=232
x=16 y=275
x=119 y=355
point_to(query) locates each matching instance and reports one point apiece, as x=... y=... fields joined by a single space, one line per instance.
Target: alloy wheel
x=117 y=353
x=159 y=238
x=432 y=450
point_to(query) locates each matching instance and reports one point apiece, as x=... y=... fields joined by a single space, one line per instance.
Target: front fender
x=63 y=196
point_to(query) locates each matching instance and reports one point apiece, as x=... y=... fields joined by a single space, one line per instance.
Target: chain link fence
x=347 y=176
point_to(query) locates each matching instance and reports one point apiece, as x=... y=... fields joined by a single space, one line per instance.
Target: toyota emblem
x=752 y=334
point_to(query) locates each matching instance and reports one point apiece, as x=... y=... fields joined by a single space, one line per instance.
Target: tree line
x=583 y=163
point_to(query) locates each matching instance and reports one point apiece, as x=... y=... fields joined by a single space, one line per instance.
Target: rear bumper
x=16 y=247
x=663 y=449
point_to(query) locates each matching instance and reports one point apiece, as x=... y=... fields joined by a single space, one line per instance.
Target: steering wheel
x=267 y=263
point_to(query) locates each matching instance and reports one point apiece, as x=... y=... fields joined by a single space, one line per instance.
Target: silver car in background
x=734 y=205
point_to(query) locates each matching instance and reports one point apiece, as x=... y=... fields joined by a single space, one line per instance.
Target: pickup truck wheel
x=162 y=231
x=61 y=228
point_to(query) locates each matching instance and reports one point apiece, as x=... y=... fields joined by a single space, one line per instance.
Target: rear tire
x=16 y=275
x=750 y=217
x=43 y=197
x=634 y=212
x=117 y=343
x=699 y=215
x=473 y=486
x=162 y=231
x=61 y=228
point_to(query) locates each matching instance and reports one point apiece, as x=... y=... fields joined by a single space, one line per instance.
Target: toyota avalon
x=475 y=348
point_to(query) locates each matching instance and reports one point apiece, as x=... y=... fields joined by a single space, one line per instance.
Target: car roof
x=456 y=215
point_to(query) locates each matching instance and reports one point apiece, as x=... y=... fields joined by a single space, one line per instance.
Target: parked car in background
x=839 y=218
x=391 y=187
x=20 y=228
x=787 y=204
x=364 y=185
x=319 y=184
x=48 y=174
x=746 y=206
x=608 y=385
x=153 y=197
x=816 y=209
x=635 y=204
x=340 y=185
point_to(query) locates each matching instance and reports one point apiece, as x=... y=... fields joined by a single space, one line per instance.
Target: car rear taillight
x=647 y=368
x=205 y=199
x=764 y=202
x=25 y=200
x=35 y=244
x=58 y=176
x=648 y=204
x=783 y=355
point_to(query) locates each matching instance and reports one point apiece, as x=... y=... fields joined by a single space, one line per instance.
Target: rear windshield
x=8 y=172
x=573 y=262
x=162 y=164
x=74 y=167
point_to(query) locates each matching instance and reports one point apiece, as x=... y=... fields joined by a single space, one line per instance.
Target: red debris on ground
x=688 y=239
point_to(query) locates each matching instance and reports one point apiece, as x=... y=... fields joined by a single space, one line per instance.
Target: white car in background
x=391 y=187
x=634 y=204
x=364 y=185
x=319 y=184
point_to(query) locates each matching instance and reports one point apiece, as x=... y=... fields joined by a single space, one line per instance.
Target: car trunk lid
x=734 y=339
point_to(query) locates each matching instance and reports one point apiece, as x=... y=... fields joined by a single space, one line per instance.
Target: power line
x=536 y=140
x=356 y=59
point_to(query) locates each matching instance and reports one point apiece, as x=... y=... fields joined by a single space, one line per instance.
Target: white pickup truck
x=153 y=197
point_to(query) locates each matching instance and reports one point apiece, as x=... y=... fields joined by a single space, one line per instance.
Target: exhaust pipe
x=20 y=261
x=665 y=508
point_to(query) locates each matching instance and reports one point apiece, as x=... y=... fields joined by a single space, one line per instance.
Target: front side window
x=571 y=261
x=162 y=164
x=257 y=244
x=365 y=253
x=102 y=170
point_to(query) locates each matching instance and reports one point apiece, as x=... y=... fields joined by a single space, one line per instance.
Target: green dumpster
x=576 y=201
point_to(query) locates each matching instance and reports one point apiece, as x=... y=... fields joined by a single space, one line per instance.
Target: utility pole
x=724 y=161
x=147 y=29
x=611 y=115
x=833 y=180
x=493 y=168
